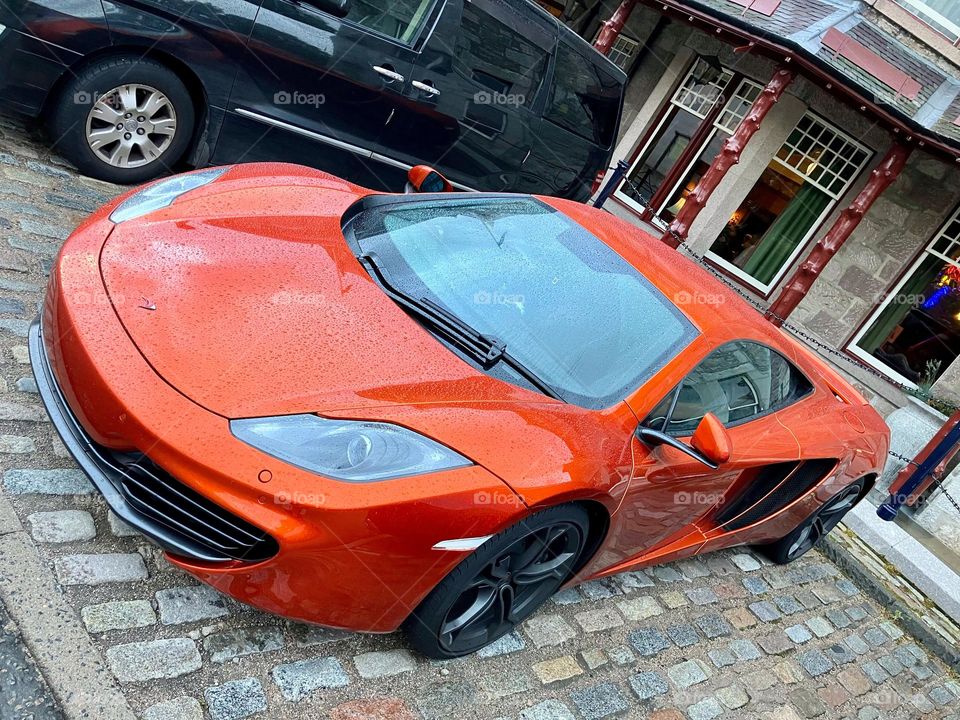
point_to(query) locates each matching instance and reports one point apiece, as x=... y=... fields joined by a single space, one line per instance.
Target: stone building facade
x=871 y=271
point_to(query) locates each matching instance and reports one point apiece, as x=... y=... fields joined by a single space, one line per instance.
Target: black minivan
x=496 y=94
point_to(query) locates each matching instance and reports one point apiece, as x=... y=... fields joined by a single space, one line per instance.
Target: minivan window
x=399 y=19
x=497 y=56
x=583 y=99
x=565 y=304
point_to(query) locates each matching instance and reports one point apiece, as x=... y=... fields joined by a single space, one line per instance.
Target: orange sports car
x=428 y=410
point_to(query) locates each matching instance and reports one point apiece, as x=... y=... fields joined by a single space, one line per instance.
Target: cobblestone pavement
x=725 y=636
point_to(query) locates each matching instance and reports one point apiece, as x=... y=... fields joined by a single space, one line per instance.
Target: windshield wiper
x=486 y=350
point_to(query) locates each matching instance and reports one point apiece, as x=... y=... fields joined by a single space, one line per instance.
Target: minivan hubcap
x=131 y=126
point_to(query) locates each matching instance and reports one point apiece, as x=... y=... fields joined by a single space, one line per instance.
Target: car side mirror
x=709 y=445
x=337 y=8
x=424 y=179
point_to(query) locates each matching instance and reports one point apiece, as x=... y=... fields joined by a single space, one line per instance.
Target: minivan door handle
x=388 y=72
x=425 y=87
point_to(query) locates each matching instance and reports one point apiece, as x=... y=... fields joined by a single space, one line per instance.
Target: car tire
x=123 y=120
x=513 y=573
x=811 y=531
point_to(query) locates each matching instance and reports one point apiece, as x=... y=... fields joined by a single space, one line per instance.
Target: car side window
x=497 y=56
x=583 y=99
x=398 y=19
x=736 y=382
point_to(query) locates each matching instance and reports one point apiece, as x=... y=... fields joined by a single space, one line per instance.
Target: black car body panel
x=468 y=87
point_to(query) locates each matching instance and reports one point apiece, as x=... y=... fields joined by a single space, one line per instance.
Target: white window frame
x=854 y=348
x=932 y=18
x=675 y=102
x=629 y=54
x=766 y=288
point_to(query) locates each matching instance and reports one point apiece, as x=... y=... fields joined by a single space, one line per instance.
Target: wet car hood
x=265 y=311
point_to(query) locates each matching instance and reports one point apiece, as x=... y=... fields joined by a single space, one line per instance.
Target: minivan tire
x=164 y=125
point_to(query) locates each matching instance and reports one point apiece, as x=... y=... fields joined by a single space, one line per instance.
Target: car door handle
x=388 y=72
x=425 y=87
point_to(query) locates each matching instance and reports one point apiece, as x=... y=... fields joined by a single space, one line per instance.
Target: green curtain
x=786 y=233
x=898 y=307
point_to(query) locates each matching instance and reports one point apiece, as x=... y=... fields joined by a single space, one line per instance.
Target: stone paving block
x=297 y=680
x=666 y=574
x=854 y=680
x=857 y=614
x=190 y=604
x=745 y=650
x=640 y=608
x=548 y=630
x=547 y=710
x=890 y=664
x=746 y=562
x=833 y=694
x=599 y=589
x=838 y=618
x=598 y=620
x=809 y=601
x=787 y=605
x=941 y=696
x=506 y=683
x=840 y=654
x=154 y=659
x=633 y=580
x=181 y=708
x=874 y=671
x=693 y=569
x=922 y=703
x=891 y=630
x=687 y=673
x=921 y=672
x=787 y=673
x=706 y=709
x=648 y=684
x=721 y=657
x=733 y=697
x=713 y=625
x=875 y=637
x=445 y=700
x=62 y=526
x=702 y=596
x=765 y=611
x=230 y=644
x=820 y=626
x=236 y=699
x=621 y=655
x=46 y=482
x=756 y=585
x=384 y=663
x=118 y=527
x=570 y=596
x=857 y=644
x=509 y=643
x=683 y=635
x=312 y=635
x=674 y=599
x=373 y=709
x=776 y=643
x=740 y=618
x=648 y=641
x=118 y=615
x=807 y=702
x=600 y=701
x=905 y=656
x=814 y=662
x=100 y=569
x=593 y=658
x=557 y=669
x=798 y=633
x=847 y=588
x=17 y=444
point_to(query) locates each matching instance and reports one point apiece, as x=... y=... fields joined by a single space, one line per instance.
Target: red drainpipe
x=614 y=26
x=726 y=158
x=798 y=285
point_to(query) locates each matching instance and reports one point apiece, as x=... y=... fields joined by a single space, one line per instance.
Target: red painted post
x=614 y=26
x=728 y=156
x=937 y=473
x=798 y=285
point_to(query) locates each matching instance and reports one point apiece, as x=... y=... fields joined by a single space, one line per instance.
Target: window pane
x=482 y=44
x=400 y=19
x=916 y=333
x=736 y=382
x=583 y=99
x=652 y=167
x=776 y=216
x=689 y=182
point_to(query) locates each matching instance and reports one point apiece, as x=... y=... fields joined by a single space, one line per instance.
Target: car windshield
x=562 y=302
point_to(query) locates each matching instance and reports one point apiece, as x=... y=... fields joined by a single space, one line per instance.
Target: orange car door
x=672 y=495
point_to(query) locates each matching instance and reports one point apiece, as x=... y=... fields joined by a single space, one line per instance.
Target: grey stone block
x=236 y=699
x=190 y=604
x=154 y=659
x=299 y=679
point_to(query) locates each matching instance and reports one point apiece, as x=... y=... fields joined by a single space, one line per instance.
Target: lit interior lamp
x=677 y=206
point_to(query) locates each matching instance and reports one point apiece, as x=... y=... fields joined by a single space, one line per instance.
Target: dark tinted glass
x=565 y=304
x=399 y=18
x=583 y=99
x=736 y=382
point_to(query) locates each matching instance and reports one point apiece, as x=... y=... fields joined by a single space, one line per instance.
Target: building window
x=801 y=185
x=687 y=124
x=942 y=15
x=623 y=51
x=914 y=335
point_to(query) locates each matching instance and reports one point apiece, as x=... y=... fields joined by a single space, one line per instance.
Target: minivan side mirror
x=710 y=443
x=337 y=8
x=424 y=179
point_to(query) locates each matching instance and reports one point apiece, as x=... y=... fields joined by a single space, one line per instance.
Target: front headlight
x=161 y=194
x=351 y=450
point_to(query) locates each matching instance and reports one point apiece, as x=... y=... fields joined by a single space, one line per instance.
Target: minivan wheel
x=123 y=120
x=501 y=584
x=812 y=530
